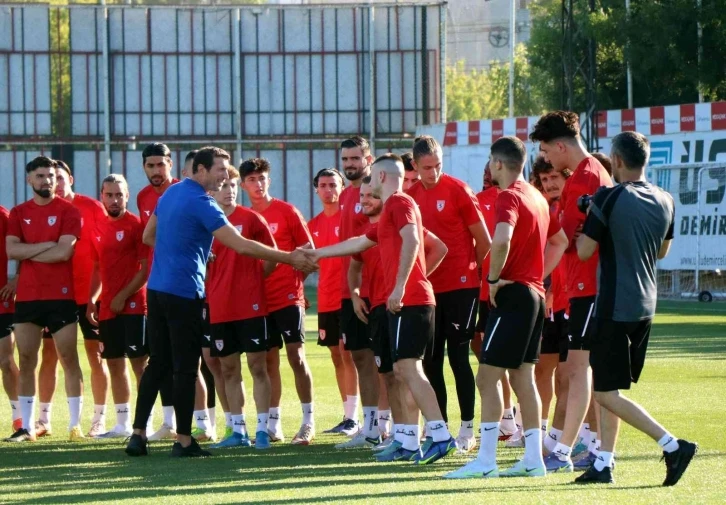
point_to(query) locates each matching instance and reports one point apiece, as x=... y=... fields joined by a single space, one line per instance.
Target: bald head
x=391 y=164
x=388 y=171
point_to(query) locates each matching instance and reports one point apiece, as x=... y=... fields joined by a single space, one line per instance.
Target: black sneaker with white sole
x=677 y=461
x=191 y=451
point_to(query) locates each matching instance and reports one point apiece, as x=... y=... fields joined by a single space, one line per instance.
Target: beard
x=356 y=175
x=114 y=212
x=156 y=181
x=43 y=192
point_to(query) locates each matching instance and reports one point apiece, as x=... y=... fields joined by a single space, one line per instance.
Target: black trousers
x=174 y=327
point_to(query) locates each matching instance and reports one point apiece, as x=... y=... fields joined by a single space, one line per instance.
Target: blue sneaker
x=428 y=442
x=262 y=440
x=579 y=448
x=399 y=454
x=395 y=445
x=234 y=440
x=555 y=464
x=437 y=451
x=584 y=462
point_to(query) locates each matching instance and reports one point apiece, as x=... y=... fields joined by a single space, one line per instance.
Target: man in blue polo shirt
x=181 y=231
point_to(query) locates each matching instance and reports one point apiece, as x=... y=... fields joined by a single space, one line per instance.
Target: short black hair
x=556 y=125
x=62 y=164
x=388 y=157
x=191 y=154
x=407 y=158
x=357 y=141
x=155 y=149
x=605 y=161
x=511 y=151
x=631 y=147
x=205 y=157
x=40 y=162
x=254 y=166
x=328 y=172
x=425 y=146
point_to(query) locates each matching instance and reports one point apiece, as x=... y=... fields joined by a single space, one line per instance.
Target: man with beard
x=410 y=177
x=42 y=233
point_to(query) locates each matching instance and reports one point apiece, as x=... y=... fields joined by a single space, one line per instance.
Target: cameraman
x=633 y=225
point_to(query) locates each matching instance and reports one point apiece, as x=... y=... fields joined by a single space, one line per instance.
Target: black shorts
x=329 y=328
x=514 y=328
x=484 y=309
x=6 y=325
x=286 y=325
x=580 y=324
x=617 y=353
x=554 y=335
x=456 y=315
x=88 y=331
x=124 y=336
x=51 y=314
x=206 y=328
x=378 y=322
x=246 y=335
x=355 y=333
x=411 y=331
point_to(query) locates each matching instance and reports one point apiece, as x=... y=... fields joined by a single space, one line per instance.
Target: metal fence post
x=372 y=72
x=106 y=90
x=442 y=62
x=237 y=81
x=698 y=227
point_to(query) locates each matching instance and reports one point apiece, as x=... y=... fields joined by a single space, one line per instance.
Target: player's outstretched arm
x=435 y=250
x=348 y=247
x=482 y=240
x=555 y=248
x=62 y=251
x=17 y=250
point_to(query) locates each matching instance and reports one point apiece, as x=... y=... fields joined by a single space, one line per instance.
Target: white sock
x=169 y=419
x=562 y=451
x=27 y=411
x=507 y=424
x=370 y=422
x=212 y=413
x=308 y=414
x=99 y=414
x=351 y=407
x=15 y=409
x=398 y=432
x=238 y=424
x=384 y=422
x=262 y=422
x=544 y=426
x=411 y=437
x=202 y=419
x=273 y=421
x=439 y=431
x=585 y=433
x=668 y=442
x=467 y=429
x=75 y=405
x=228 y=419
x=488 y=445
x=123 y=417
x=604 y=459
x=593 y=444
x=45 y=411
x=550 y=441
x=533 y=448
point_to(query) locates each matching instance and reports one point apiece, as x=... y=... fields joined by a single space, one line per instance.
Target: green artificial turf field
x=683 y=386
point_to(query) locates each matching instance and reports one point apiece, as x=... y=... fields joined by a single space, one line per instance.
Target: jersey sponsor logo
x=132 y=305
x=358 y=208
x=255 y=307
x=239 y=228
x=337 y=231
x=27 y=221
x=440 y=204
x=321 y=333
x=52 y=220
x=581 y=286
x=219 y=344
x=273 y=228
x=120 y=235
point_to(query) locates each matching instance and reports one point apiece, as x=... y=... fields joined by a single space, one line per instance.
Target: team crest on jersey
x=64 y=290
x=321 y=332
x=463 y=278
x=358 y=208
x=337 y=231
x=581 y=286
x=6 y=304
x=239 y=228
x=440 y=204
x=120 y=235
x=219 y=344
x=255 y=307
x=52 y=220
x=273 y=228
x=132 y=305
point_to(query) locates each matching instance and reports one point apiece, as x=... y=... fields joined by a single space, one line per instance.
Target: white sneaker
x=351 y=428
x=516 y=440
x=383 y=445
x=474 y=469
x=521 y=470
x=276 y=436
x=97 y=429
x=165 y=432
x=116 y=432
x=359 y=441
x=465 y=445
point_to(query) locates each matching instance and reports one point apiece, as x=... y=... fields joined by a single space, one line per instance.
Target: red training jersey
x=447 y=210
x=487 y=201
x=6 y=306
x=326 y=231
x=118 y=249
x=587 y=178
x=523 y=206
x=236 y=282
x=398 y=211
x=146 y=202
x=284 y=286
x=92 y=214
x=372 y=274
x=352 y=224
x=558 y=284
x=34 y=224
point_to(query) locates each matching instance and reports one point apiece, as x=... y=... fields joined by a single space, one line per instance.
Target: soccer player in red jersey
x=410 y=176
x=157 y=166
x=450 y=210
x=118 y=280
x=526 y=246
x=285 y=299
x=410 y=302
x=42 y=233
x=8 y=367
x=238 y=310
x=325 y=229
x=558 y=134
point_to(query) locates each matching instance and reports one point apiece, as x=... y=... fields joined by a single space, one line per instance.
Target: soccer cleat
x=191 y=451
x=594 y=476
x=579 y=448
x=228 y=430
x=521 y=470
x=393 y=447
x=513 y=442
x=97 y=428
x=426 y=444
x=677 y=461
x=505 y=435
x=17 y=425
x=276 y=436
x=165 y=432
x=338 y=427
x=400 y=454
x=474 y=469
x=383 y=445
x=234 y=440
x=359 y=441
x=22 y=435
x=305 y=436
x=262 y=440
x=116 y=432
x=202 y=435
x=350 y=428
x=555 y=464
x=137 y=446
x=584 y=461
x=465 y=445
x=75 y=434
x=437 y=451
x=42 y=429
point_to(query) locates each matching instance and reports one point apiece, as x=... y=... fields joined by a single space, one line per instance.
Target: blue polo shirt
x=186 y=217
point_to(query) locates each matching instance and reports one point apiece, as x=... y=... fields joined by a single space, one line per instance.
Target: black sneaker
x=137 y=446
x=677 y=461
x=594 y=476
x=191 y=451
x=337 y=428
x=22 y=435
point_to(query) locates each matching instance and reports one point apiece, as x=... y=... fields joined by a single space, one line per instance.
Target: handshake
x=305 y=260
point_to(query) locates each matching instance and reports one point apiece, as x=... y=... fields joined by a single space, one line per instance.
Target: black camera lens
x=583 y=203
